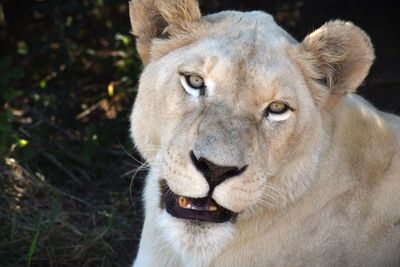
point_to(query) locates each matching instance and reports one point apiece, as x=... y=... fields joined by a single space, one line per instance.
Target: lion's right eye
x=193 y=84
x=195 y=81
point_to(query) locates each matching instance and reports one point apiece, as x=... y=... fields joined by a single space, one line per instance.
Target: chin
x=198 y=229
x=196 y=242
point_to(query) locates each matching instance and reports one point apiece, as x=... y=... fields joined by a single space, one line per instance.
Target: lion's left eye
x=277 y=111
x=193 y=84
x=277 y=107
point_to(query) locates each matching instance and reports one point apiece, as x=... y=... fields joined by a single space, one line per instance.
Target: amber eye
x=278 y=111
x=193 y=84
x=277 y=107
x=195 y=81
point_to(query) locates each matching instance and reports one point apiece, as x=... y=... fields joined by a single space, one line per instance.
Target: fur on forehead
x=334 y=59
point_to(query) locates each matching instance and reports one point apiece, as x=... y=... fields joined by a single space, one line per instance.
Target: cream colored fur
x=322 y=188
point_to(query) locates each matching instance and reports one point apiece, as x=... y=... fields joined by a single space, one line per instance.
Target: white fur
x=321 y=186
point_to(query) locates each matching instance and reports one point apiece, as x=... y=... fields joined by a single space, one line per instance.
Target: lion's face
x=229 y=118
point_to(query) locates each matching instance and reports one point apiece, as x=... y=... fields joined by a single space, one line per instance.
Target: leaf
x=111 y=217
x=122 y=38
x=13 y=226
x=16 y=73
x=5 y=62
x=5 y=122
x=22 y=48
x=32 y=249
x=9 y=95
x=69 y=21
x=5 y=127
x=3 y=149
x=4 y=79
x=22 y=142
x=99 y=2
x=43 y=84
x=111 y=89
x=90 y=52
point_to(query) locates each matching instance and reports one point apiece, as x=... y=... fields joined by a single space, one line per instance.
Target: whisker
x=130 y=155
x=140 y=168
x=278 y=192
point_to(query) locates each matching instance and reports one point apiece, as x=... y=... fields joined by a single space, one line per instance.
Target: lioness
x=259 y=152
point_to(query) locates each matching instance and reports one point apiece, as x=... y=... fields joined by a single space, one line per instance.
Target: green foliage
x=68 y=75
x=8 y=74
x=81 y=71
x=32 y=248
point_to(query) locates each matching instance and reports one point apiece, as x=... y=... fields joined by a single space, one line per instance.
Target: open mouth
x=201 y=209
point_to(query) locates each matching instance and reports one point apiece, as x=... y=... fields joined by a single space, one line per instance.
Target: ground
x=68 y=77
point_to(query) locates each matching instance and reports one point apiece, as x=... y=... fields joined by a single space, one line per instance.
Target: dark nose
x=215 y=174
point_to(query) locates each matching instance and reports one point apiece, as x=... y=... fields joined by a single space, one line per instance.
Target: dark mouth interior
x=201 y=209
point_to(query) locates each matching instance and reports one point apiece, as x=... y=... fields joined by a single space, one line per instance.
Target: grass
x=68 y=73
x=32 y=248
x=93 y=224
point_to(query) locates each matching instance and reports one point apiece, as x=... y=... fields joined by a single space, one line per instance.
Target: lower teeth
x=212 y=208
x=184 y=203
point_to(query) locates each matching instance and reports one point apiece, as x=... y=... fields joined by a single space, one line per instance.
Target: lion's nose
x=215 y=174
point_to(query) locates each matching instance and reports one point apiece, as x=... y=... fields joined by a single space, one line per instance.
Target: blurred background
x=68 y=77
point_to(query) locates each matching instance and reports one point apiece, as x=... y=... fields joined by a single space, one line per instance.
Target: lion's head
x=230 y=113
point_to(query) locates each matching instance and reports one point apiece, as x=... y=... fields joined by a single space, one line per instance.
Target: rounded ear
x=337 y=56
x=151 y=19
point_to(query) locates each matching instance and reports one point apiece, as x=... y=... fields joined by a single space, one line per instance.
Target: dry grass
x=91 y=223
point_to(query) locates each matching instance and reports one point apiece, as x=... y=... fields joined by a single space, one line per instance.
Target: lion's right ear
x=151 y=19
x=338 y=55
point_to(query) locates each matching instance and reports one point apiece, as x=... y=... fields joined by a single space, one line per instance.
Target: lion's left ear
x=338 y=55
